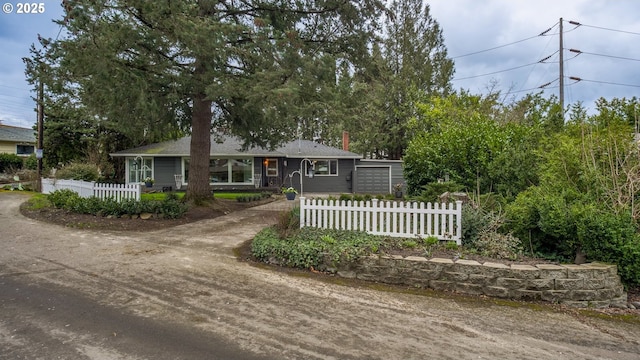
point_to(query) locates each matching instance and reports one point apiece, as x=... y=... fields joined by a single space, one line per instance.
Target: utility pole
x=561 y=71
x=39 y=151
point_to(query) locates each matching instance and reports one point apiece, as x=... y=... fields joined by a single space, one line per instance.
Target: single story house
x=230 y=167
x=17 y=140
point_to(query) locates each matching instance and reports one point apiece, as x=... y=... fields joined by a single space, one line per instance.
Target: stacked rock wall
x=587 y=285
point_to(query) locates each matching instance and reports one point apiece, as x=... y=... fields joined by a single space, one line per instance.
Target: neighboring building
x=233 y=168
x=17 y=140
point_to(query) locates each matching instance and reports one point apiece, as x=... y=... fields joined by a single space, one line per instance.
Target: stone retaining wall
x=587 y=285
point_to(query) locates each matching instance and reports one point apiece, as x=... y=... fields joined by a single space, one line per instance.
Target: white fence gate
x=397 y=219
x=86 y=189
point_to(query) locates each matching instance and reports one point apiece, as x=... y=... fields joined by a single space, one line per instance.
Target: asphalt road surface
x=179 y=293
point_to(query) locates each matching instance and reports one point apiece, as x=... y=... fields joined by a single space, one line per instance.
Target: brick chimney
x=345 y=140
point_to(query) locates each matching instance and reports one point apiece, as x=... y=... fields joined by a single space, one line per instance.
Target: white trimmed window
x=138 y=169
x=324 y=167
x=272 y=167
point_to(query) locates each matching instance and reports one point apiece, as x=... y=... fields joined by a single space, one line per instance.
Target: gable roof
x=229 y=146
x=17 y=134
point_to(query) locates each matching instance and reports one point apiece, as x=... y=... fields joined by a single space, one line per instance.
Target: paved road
x=179 y=293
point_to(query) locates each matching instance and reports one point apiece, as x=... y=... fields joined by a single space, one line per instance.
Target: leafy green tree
x=155 y=69
x=457 y=138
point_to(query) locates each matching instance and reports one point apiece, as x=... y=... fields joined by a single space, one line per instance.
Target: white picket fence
x=396 y=219
x=87 y=189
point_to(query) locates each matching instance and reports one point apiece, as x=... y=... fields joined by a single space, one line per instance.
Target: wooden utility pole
x=561 y=71
x=39 y=150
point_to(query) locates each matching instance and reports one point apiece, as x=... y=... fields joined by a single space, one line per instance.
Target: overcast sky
x=609 y=39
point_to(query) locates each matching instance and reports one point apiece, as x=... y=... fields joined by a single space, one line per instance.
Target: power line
x=603 y=28
x=541 y=87
x=603 y=55
x=494 y=48
x=541 y=61
x=544 y=33
x=495 y=72
x=578 y=79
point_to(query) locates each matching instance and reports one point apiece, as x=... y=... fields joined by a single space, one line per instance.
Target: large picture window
x=226 y=171
x=138 y=169
x=324 y=167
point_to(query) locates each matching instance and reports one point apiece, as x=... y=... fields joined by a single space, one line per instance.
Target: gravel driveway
x=188 y=277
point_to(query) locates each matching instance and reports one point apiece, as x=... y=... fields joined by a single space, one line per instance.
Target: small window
x=325 y=167
x=272 y=167
x=25 y=149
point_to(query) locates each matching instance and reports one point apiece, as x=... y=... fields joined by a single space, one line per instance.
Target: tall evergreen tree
x=157 y=68
x=410 y=64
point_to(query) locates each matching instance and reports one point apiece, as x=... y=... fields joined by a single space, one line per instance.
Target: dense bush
x=79 y=171
x=560 y=224
x=169 y=208
x=10 y=162
x=59 y=198
x=31 y=163
x=308 y=247
x=481 y=234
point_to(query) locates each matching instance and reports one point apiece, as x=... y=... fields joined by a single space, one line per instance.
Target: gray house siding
x=340 y=183
x=164 y=169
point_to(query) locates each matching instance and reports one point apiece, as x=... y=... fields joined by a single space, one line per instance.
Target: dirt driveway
x=188 y=276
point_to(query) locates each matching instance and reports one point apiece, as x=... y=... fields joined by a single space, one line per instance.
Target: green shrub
x=132 y=207
x=411 y=244
x=110 y=207
x=431 y=240
x=474 y=220
x=10 y=162
x=31 y=163
x=172 y=208
x=309 y=246
x=451 y=245
x=59 y=198
x=79 y=171
x=629 y=263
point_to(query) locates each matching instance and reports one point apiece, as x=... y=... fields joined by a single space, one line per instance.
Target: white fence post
x=397 y=219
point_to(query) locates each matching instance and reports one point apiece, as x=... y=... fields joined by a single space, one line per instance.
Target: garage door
x=373 y=179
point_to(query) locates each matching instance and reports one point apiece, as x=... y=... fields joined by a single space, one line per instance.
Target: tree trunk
x=198 y=189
